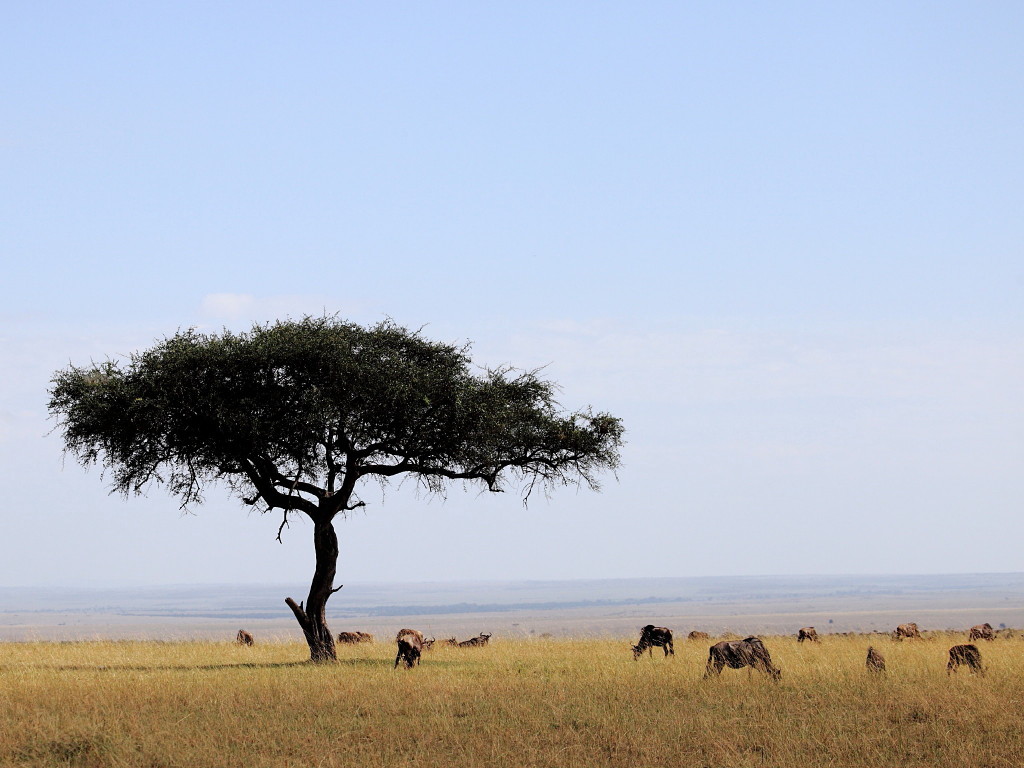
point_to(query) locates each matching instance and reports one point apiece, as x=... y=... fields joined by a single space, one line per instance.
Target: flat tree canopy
x=295 y=415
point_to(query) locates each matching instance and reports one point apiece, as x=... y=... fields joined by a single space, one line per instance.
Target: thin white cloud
x=227 y=306
x=232 y=308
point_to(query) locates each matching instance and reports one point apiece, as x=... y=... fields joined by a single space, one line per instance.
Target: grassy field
x=515 y=703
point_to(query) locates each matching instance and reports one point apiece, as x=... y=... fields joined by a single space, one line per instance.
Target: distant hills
x=706 y=594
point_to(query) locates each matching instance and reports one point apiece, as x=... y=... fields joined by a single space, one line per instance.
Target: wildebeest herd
x=411 y=645
x=751 y=651
x=735 y=654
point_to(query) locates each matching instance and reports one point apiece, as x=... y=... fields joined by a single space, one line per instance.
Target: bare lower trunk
x=312 y=615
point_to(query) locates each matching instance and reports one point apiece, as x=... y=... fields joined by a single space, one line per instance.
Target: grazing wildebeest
x=695 y=635
x=906 y=631
x=355 y=637
x=875 y=661
x=736 y=654
x=807 y=633
x=982 y=632
x=450 y=641
x=476 y=642
x=651 y=636
x=410 y=646
x=244 y=638
x=965 y=654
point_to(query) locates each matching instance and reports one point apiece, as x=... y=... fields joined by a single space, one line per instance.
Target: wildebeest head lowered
x=476 y=642
x=982 y=632
x=736 y=654
x=244 y=638
x=968 y=655
x=652 y=636
x=698 y=635
x=410 y=646
x=907 y=631
x=807 y=633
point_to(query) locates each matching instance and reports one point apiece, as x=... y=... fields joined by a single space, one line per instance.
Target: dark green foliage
x=295 y=413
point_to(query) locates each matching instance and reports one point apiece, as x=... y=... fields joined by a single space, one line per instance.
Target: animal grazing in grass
x=355 y=637
x=410 y=646
x=968 y=655
x=476 y=642
x=696 y=635
x=982 y=632
x=906 y=631
x=736 y=654
x=450 y=641
x=875 y=661
x=651 y=636
x=244 y=638
x=807 y=633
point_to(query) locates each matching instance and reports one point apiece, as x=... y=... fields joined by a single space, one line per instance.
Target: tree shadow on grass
x=196 y=667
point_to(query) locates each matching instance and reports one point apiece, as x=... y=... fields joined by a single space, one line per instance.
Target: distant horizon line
x=498 y=581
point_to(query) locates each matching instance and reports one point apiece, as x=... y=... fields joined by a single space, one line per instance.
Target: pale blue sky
x=785 y=242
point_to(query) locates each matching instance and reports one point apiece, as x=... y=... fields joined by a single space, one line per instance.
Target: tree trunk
x=313 y=616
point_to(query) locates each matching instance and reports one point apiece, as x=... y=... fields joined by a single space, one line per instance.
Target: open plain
x=557 y=702
x=151 y=677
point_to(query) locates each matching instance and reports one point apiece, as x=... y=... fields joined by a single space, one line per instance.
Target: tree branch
x=339 y=502
x=292 y=483
x=283 y=524
x=487 y=474
x=332 y=465
x=274 y=497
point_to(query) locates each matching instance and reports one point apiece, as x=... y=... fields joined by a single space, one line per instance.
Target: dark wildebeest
x=651 y=636
x=410 y=646
x=695 y=635
x=807 y=633
x=476 y=642
x=965 y=654
x=906 y=631
x=982 y=632
x=875 y=661
x=355 y=637
x=737 y=654
x=244 y=638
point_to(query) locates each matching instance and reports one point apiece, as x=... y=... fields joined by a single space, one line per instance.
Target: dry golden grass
x=554 y=703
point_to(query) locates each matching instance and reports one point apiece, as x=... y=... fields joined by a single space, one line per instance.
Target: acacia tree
x=297 y=415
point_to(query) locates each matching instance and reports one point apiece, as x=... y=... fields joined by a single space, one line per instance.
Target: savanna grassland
x=551 y=703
